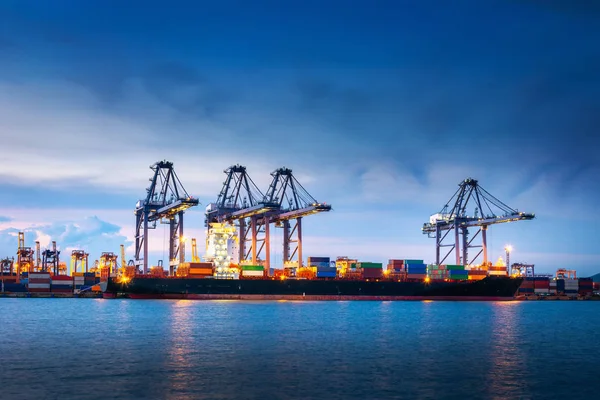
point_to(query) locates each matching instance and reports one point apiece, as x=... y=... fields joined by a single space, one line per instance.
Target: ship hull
x=488 y=289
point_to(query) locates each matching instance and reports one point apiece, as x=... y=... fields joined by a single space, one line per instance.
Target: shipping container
x=252 y=273
x=526 y=290
x=372 y=273
x=252 y=268
x=454 y=267
x=326 y=274
x=318 y=259
x=413 y=261
x=416 y=276
x=370 y=265
x=14 y=287
x=38 y=286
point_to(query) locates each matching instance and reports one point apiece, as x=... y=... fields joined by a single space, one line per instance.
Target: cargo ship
x=491 y=288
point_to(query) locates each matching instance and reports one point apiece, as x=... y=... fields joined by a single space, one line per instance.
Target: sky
x=380 y=108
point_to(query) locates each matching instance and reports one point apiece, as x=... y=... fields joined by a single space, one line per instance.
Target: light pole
x=508 y=248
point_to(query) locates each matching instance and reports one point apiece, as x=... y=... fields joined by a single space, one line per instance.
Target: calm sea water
x=127 y=349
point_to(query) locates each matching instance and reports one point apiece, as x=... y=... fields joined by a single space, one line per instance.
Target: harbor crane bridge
x=294 y=202
x=241 y=201
x=487 y=211
x=166 y=201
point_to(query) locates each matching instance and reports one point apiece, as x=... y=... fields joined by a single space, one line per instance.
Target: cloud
x=5 y=219
x=91 y=234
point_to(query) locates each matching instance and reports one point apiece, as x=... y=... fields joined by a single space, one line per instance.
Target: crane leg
x=484 y=243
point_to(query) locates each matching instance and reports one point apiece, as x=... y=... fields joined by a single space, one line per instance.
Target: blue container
x=14 y=287
x=89 y=274
x=25 y=274
x=560 y=285
x=326 y=275
x=318 y=259
x=24 y=281
x=62 y=286
x=526 y=290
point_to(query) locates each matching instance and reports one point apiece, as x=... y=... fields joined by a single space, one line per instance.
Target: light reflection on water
x=97 y=349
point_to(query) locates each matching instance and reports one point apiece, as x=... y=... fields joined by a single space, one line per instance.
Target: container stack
x=415 y=269
x=11 y=285
x=437 y=272
x=39 y=282
x=528 y=286
x=62 y=284
x=571 y=287
x=78 y=280
x=89 y=280
x=200 y=270
x=552 y=286
x=541 y=285
x=371 y=270
x=457 y=272
x=497 y=271
x=395 y=266
x=253 y=271
x=586 y=286
x=476 y=274
x=318 y=262
x=322 y=267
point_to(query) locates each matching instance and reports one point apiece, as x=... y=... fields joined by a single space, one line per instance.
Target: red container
x=527 y=285
x=502 y=269
x=476 y=272
x=62 y=278
x=372 y=273
x=416 y=276
x=38 y=280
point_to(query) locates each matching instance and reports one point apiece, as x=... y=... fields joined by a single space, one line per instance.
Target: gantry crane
x=294 y=202
x=107 y=265
x=79 y=258
x=241 y=201
x=487 y=211
x=51 y=259
x=166 y=201
x=24 y=257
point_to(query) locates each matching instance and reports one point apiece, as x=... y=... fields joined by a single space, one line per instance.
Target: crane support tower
x=24 y=257
x=488 y=210
x=79 y=261
x=108 y=265
x=294 y=202
x=51 y=259
x=166 y=201
x=241 y=203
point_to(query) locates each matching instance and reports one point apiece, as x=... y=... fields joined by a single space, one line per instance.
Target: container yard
x=238 y=248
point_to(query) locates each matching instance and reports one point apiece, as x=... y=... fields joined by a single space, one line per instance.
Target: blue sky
x=380 y=108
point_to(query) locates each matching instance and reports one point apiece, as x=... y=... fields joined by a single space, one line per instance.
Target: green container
x=352 y=265
x=455 y=267
x=413 y=262
x=253 y=268
x=371 y=265
x=459 y=277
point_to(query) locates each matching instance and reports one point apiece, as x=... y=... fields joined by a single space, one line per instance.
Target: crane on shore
x=456 y=218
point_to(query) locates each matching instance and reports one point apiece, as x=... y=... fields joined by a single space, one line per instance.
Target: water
x=124 y=349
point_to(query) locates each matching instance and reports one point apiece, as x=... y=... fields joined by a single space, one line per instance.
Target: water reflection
x=181 y=351
x=508 y=361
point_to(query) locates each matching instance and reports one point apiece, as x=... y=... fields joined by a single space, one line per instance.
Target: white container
x=252 y=273
x=39 y=286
